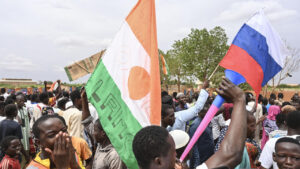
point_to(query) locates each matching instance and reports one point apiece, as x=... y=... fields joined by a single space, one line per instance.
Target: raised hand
x=230 y=91
x=61 y=154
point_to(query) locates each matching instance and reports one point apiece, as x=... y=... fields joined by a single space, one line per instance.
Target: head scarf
x=273 y=111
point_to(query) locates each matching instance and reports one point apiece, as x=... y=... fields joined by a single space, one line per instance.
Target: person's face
x=287 y=155
x=78 y=104
x=251 y=126
x=99 y=134
x=170 y=117
x=168 y=162
x=48 y=131
x=20 y=101
x=14 y=148
x=202 y=113
x=181 y=100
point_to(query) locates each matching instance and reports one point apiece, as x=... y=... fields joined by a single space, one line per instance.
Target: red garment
x=9 y=163
x=227 y=106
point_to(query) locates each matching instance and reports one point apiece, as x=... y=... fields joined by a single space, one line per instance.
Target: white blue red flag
x=257 y=52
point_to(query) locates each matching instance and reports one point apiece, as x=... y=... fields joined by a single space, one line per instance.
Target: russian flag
x=257 y=52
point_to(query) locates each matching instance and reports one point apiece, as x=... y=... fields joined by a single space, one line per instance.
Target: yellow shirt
x=82 y=148
x=46 y=162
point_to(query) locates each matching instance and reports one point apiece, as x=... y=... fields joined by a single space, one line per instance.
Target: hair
x=2 y=98
x=35 y=127
x=75 y=95
x=280 y=119
x=6 y=142
x=265 y=101
x=2 y=105
x=50 y=94
x=66 y=94
x=62 y=102
x=11 y=97
x=164 y=108
x=273 y=96
x=293 y=119
x=43 y=97
x=3 y=90
x=167 y=100
x=9 y=101
x=288 y=140
x=280 y=95
x=34 y=98
x=10 y=110
x=285 y=103
x=164 y=93
x=174 y=94
x=150 y=142
x=260 y=98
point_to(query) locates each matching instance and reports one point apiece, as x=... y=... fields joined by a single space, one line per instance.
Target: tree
x=290 y=66
x=174 y=59
x=203 y=50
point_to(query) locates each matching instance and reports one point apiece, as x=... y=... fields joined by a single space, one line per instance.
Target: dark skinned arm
x=85 y=105
x=232 y=147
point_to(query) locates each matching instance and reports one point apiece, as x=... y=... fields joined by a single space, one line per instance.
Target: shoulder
x=112 y=155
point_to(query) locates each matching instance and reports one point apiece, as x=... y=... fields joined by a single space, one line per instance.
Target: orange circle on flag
x=138 y=83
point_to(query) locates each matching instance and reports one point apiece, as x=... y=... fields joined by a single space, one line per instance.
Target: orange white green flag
x=125 y=86
x=164 y=64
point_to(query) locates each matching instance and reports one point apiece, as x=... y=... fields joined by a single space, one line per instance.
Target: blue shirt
x=10 y=128
x=204 y=147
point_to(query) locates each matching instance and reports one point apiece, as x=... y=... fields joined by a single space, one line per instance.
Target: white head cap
x=180 y=138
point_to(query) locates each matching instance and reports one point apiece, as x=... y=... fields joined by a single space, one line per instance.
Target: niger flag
x=125 y=86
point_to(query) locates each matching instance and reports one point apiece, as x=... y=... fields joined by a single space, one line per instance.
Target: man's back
x=204 y=147
x=10 y=128
x=73 y=119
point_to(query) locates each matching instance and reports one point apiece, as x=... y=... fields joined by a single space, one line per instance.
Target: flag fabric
x=257 y=52
x=165 y=67
x=256 y=55
x=125 y=86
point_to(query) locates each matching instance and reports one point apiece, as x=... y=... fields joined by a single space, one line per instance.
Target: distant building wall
x=17 y=82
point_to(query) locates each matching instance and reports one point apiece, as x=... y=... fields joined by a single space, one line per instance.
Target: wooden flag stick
x=213 y=72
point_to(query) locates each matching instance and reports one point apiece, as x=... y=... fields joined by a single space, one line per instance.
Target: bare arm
x=232 y=147
x=85 y=105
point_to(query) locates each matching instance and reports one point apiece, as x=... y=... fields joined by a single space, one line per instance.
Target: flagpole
x=213 y=72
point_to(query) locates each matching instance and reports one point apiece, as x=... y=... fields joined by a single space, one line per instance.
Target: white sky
x=38 y=38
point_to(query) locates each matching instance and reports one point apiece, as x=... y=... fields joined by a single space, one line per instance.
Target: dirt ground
x=288 y=93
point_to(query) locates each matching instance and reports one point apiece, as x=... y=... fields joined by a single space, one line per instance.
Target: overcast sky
x=38 y=38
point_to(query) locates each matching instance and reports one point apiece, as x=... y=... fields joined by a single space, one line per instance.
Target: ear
x=37 y=141
x=157 y=161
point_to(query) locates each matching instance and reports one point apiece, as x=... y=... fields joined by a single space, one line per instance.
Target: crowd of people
x=61 y=130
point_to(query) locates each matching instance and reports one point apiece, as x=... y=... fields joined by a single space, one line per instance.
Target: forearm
x=85 y=109
x=187 y=115
x=232 y=147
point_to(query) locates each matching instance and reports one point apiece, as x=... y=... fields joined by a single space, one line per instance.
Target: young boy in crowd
x=287 y=152
x=9 y=127
x=106 y=157
x=11 y=147
x=45 y=130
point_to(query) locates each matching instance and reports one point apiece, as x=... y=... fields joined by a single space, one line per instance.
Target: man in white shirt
x=266 y=157
x=161 y=154
x=73 y=115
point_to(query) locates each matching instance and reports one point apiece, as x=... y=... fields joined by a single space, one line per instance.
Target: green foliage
x=196 y=56
x=245 y=86
x=203 y=51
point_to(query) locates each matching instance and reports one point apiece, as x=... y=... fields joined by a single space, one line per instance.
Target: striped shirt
x=9 y=163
